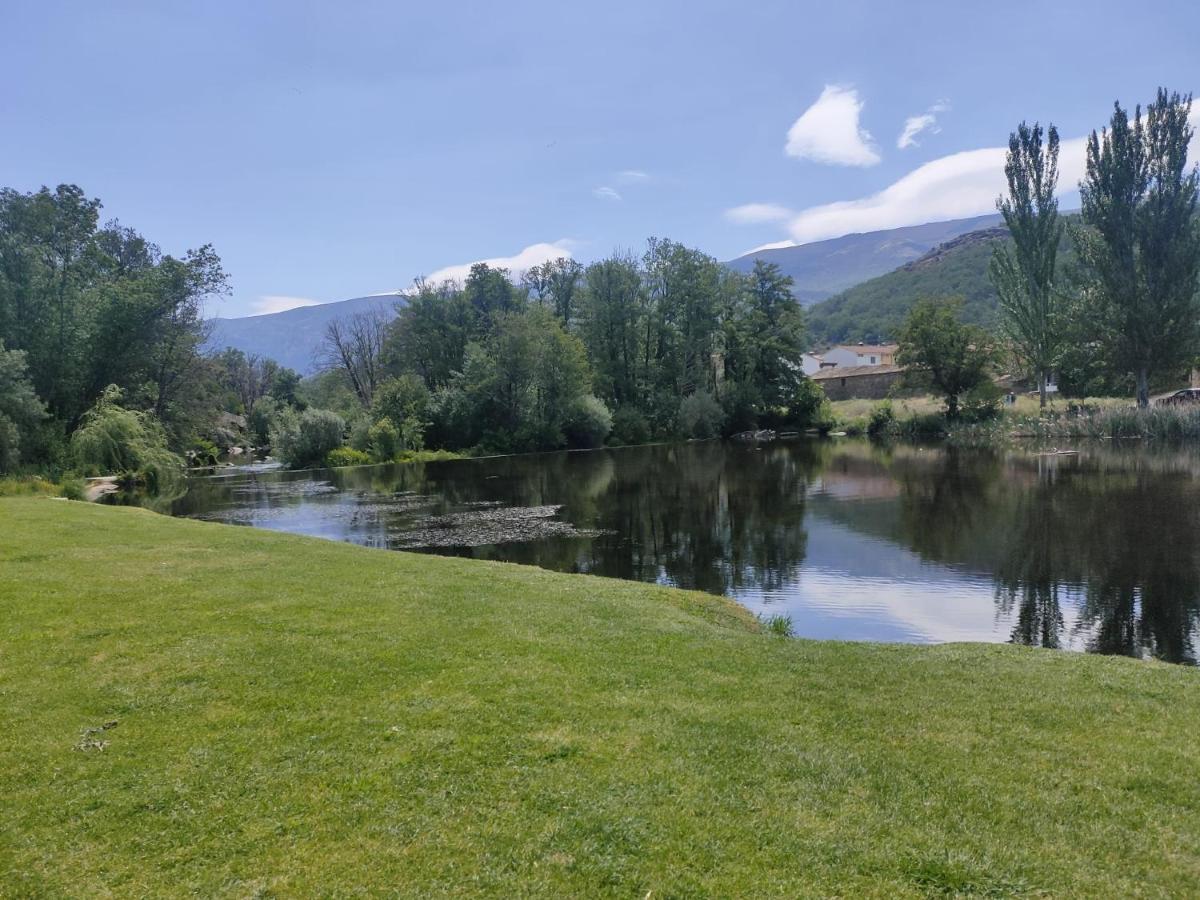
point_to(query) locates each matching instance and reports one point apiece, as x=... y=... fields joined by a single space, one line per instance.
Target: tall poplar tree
x=1140 y=246
x=1024 y=276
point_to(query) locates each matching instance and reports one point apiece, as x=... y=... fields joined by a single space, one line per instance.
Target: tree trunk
x=952 y=407
x=1143 y=388
x=1042 y=388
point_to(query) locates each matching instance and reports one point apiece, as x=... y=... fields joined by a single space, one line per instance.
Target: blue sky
x=330 y=150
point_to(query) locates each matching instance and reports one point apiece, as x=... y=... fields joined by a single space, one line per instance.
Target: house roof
x=854 y=371
x=869 y=348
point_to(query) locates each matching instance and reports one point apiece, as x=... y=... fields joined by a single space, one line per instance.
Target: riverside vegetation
x=102 y=368
x=227 y=724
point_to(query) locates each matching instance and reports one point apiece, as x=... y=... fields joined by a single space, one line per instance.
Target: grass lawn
x=303 y=718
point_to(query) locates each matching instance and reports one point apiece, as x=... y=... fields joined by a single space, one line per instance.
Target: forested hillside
x=875 y=309
x=823 y=268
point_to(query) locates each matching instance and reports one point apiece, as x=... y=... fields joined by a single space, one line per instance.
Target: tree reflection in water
x=1096 y=551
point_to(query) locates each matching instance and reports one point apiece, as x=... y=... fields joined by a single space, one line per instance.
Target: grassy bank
x=296 y=717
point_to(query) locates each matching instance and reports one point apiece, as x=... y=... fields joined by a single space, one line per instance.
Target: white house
x=810 y=364
x=861 y=355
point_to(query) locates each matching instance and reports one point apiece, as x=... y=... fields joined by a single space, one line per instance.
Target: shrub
x=982 y=402
x=810 y=407
x=360 y=434
x=306 y=440
x=882 y=420
x=588 y=423
x=383 y=440
x=346 y=456
x=73 y=488
x=20 y=409
x=260 y=419
x=113 y=440
x=203 y=452
x=700 y=416
x=740 y=403
x=629 y=426
x=855 y=427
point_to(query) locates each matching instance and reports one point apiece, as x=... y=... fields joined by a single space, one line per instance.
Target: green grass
x=304 y=718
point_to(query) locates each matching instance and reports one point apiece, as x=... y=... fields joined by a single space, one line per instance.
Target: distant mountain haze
x=824 y=268
x=293 y=337
x=859 y=286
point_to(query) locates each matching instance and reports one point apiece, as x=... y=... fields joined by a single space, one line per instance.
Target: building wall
x=810 y=364
x=842 y=356
x=867 y=386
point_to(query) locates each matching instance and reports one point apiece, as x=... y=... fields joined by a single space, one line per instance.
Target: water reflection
x=1093 y=551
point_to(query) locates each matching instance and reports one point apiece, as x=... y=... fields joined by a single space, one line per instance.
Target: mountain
x=293 y=337
x=823 y=268
x=875 y=309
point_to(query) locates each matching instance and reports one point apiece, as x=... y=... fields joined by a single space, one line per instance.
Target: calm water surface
x=1096 y=551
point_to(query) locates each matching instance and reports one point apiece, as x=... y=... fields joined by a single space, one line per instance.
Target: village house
x=861 y=355
x=869 y=382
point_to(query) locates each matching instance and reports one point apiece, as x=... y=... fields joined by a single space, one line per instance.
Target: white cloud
x=829 y=132
x=914 y=125
x=956 y=186
x=533 y=255
x=273 y=303
x=604 y=192
x=758 y=213
x=632 y=176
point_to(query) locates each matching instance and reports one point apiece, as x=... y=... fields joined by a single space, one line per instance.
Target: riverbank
x=195 y=708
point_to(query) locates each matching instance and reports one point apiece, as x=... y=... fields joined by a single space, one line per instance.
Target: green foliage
x=203 y=452
x=942 y=353
x=779 y=626
x=1031 y=305
x=1140 y=242
x=639 y=333
x=383 y=441
x=114 y=440
x=982 y=402
x=348 y=456
x=308 y=438
x=261 y=418
x=588 y=423
x=700 y=416
x=629 y=426
x=809 y=406
x=405 y=402
x=73 y=488
x=20 y=409
x=882 y=421
x=876 y=310
x=329 y=390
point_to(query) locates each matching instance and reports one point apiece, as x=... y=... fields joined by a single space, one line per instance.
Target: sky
x=332 y=150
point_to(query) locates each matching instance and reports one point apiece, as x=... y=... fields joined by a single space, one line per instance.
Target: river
x=1092 y=551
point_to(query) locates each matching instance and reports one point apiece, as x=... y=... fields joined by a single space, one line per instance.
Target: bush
x=700 y=416
x=740 y=403
x=306 y=440
x=882 y=420
x=360 y=434
x=113 y=440
x=629 y=426
x=346 y=456
x=203 y=452
x=73 y=488
x=855 y=427
x=588 y=423
x=383 y=440
x=982 y=402
x=810 y=406
x=260 y=419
